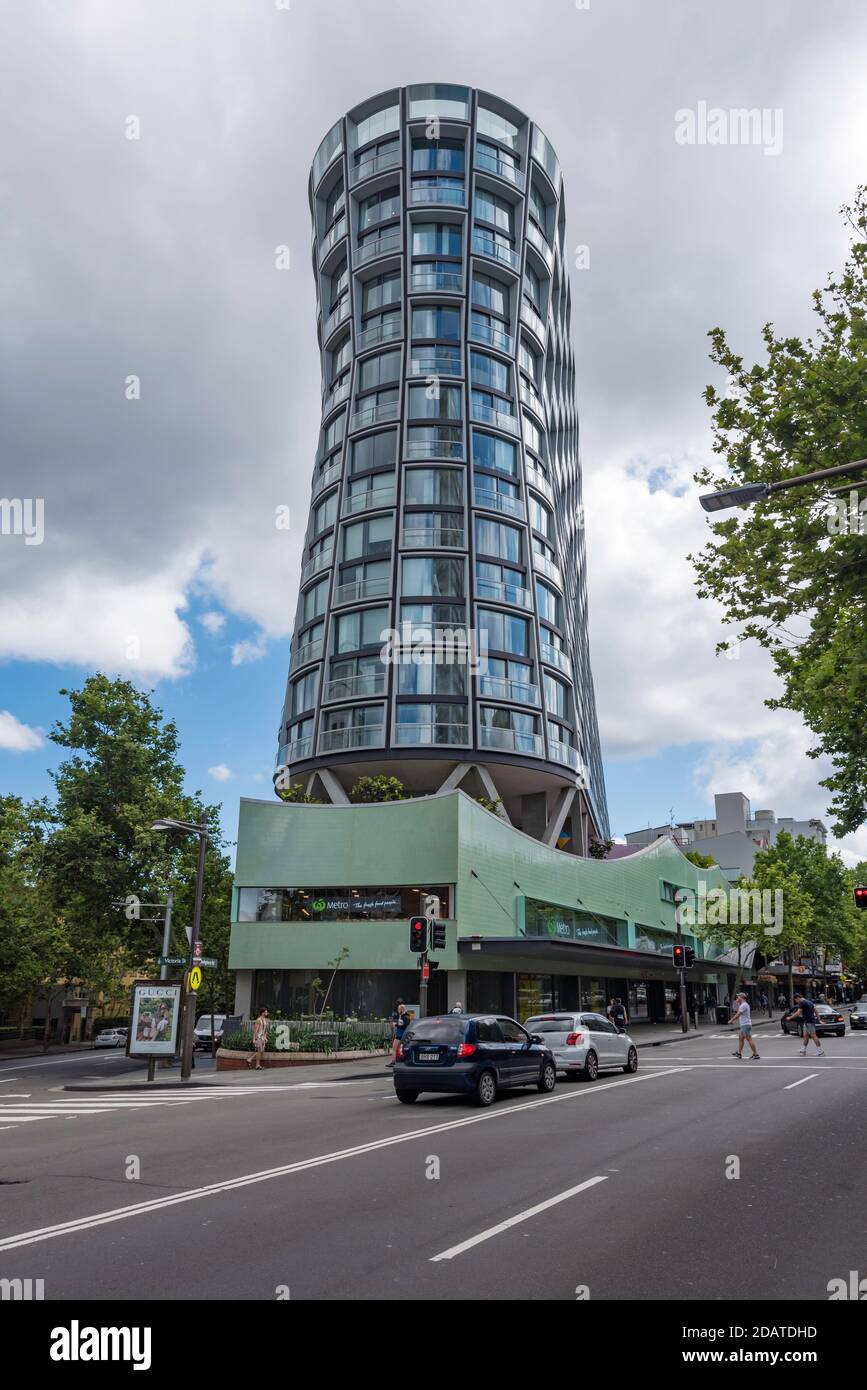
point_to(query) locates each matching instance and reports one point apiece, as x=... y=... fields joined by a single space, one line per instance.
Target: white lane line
x=105 y=1218
x=801 y=1082
x=515 y=1220
x=53 y=1062
x=46 y=1111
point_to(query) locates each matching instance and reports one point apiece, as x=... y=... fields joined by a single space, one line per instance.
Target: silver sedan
x=584 y=1043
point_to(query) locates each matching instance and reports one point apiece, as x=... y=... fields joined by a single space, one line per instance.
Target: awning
x=577 y=956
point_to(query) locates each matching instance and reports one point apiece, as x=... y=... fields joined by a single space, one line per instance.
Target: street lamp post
x=746 y=493
x=189 y=997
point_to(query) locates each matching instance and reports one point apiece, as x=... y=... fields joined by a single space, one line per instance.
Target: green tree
x=378 y=789
x=35 y=951
x=781 y=571
x=701 y=861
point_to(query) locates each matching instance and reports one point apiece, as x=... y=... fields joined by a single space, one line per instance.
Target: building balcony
x=530 y=397
x=536 y=239
x=500 y=502
x=337 y=232
x=564 y=753
x=434 y=537
x=336 y=395
x=374 y=415
x=356 y=589
x=433 y=363
x=289 y=753
x=498 y=338
x=378 y=333
x=430 y=735
x=353 y=736
x=323 y=480
x=500 y=688
x=385 y=245
x=555 y=657
x=369 y=500
x=532 y=320
x=495 y=251
x=498 y=419
x=434 y=449
x=354 y=687
x=441 y=193
x=511 y=741
x=340 y=315
x=376 y=164
x=316 y=563
x=306 y=652
x=543 y=565
x=451 y=281
x=493 y=591
x=537 y=479
x=489 y=164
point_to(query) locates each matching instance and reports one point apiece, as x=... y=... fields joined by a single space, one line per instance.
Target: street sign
x=171 y=960
x=195 y=978
x=208 y=962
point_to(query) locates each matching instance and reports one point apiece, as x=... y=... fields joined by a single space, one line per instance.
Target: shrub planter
x=230 y=1060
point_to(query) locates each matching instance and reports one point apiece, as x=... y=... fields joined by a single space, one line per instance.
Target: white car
x=111 y=1037
x=584 y=1043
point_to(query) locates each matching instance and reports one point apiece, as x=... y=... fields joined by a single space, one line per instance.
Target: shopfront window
x=568 y=924
x=337 y=904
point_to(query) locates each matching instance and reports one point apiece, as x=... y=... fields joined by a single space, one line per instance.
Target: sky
x=155 y=257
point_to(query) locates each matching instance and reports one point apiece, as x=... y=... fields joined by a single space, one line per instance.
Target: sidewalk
x=657 y=1034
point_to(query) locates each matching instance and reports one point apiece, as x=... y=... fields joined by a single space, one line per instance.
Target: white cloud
x=16 y=737
x=242 y=652
x=220 y=773
x=214 y=622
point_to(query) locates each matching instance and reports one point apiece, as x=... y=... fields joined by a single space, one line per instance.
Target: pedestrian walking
x=457 y=1007
x=609 y=1012
x=618 y=1014
x=743 y=1017
x=806 y=1012
x=401 y=1021
x=260 y=1039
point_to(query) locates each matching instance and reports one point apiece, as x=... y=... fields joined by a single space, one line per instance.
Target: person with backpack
x=618 y=1014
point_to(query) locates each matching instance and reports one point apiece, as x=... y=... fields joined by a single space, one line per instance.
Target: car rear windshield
x=436 y=1030
x=561 y=1024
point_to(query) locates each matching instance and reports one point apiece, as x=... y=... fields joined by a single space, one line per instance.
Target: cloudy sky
x=155 y=257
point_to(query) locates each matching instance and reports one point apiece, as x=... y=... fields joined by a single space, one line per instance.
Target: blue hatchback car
x=475 y=1055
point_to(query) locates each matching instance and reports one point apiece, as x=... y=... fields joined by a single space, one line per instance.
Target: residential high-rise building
x=441 y=630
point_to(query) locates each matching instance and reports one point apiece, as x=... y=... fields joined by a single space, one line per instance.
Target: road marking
x=86 y=1223
x=793 y=1084
x=515 y=1220
x=55 y=1062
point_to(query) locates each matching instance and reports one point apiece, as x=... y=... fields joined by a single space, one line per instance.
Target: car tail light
x=466 y=1049
x=400 y=1051
x=573 y=1039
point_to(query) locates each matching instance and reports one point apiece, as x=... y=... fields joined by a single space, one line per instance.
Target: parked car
x=585 y=1043
x=474 y=1055
x=828 y=1020
x=202 y=1030
x=858 y=1015
x=111 y=1037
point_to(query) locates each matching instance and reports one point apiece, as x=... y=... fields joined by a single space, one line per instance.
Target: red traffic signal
x=861 y=897
x=418 y=934
x=678 y=957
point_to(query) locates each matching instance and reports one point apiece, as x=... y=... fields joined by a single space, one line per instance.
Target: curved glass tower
x=441 y=631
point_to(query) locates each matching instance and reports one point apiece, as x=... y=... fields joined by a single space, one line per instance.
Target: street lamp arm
x=742 y=495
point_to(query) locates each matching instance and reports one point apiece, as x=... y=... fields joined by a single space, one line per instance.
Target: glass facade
x=335 y=904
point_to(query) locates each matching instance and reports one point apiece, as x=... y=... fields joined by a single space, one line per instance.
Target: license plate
x=428 y=1056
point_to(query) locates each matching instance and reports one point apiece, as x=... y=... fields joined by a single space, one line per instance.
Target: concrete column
x=456 y=988
x=534 y=814
x=243 y=993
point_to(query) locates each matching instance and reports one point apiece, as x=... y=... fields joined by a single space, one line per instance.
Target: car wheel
x=407 y=1097
x=486 y=1089
x=548 y=1078
x=841 y=1032
x=631 y=1060
x=591 y=1067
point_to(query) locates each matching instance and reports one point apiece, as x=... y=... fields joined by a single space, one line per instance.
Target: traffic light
x=439 y=936
x=690 y=958
x=678 y=957
x=418 y=934
x=861 y=897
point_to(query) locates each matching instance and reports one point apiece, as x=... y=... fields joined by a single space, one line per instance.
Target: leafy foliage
x=369 y=789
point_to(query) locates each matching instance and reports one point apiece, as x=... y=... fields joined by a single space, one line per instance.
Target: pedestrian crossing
x=20 y=1108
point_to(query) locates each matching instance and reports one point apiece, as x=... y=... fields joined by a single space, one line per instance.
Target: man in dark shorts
x=807 y=1014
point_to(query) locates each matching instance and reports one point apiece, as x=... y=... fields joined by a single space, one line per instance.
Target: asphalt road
x=325 y=1189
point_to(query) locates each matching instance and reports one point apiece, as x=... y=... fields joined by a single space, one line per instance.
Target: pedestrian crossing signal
x=689 y=957
x=417 y=933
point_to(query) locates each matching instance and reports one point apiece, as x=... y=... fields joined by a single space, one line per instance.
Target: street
x=309 y=1185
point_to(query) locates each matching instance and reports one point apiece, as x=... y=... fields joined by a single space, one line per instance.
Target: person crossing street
x=744 y=1020
x=806 y=1012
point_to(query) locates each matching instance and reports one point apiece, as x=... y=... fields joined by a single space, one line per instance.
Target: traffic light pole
x=684 y=1016
x=422 y=985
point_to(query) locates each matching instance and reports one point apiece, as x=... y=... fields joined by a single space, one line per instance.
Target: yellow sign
x=195 y=977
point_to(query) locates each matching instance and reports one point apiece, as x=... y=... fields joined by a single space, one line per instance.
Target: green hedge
x=308 y=1040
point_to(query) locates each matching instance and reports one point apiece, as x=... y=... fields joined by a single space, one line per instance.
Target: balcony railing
x=499 y=419
x=434 y=364
x=541 y=245
x=374 y=414
x=337 y=231
x=350 y=687
x=530 y=396
x=437 y=193
x=307 y=651
x=481 y=332
x=500 y=167
x=434 y=537
x=451 y=281
x=376 y=164
x=321 y=561
x=426 y=735
x=546 y=566
x=383 y=245
x=504 y=593
x=340 y=315
x=532 y=320
x=356 y=589
x=499 y=502
x=371 y=498
x=289 y=753
x=353 y=736
x=538 y=480
x=495 y=250
x=500 y=688
x=434 y=449
x=564 y=753
x=337 y=394
x=511 y=741
x=331 y=474
x=555 y=657
x=378 y=333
